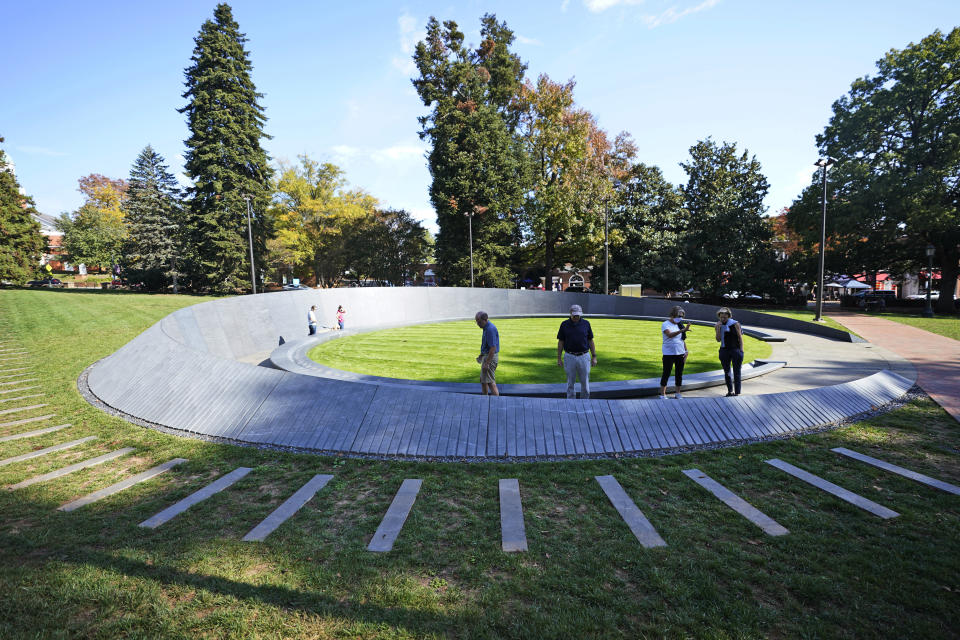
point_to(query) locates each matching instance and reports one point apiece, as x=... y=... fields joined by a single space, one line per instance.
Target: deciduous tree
x=96 y=233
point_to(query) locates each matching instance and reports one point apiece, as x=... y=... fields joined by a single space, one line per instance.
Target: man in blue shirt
x=576 y=352
x=489 y=356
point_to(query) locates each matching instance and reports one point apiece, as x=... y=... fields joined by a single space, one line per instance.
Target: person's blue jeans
x=313 y=328
x=731 y=359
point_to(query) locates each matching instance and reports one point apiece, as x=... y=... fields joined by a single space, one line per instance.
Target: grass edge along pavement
x=840 y=572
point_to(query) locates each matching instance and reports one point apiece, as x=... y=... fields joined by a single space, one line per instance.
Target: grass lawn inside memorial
x=840 y=572
x=447 y=351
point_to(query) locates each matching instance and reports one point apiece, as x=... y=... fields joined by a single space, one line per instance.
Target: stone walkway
x=935 y=357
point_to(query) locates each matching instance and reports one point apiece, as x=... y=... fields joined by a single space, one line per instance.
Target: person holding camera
x=675 y=352
x=730 y=337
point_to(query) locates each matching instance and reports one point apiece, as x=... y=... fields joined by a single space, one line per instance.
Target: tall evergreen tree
x=477 y=165
x=224 y=157
x=155 y=218
x=21 y=243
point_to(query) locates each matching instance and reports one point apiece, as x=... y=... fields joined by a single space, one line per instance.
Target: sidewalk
x=936 y=358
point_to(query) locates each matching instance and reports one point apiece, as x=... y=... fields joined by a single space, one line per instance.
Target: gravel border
x=83 y=387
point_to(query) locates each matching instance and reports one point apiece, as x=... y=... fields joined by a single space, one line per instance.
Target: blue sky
x=88 y=85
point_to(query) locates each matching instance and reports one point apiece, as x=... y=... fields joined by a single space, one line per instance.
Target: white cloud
x=564 y=6
x=345 y=151
x=397 y=153
x=673 y=14
x=40 y=151
x=410 y=34
x=680 y=9
x=528 y=41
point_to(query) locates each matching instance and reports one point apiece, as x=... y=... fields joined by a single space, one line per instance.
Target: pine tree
x=21 y=243
x=224 y=157
x=154 y=212
x=477 y=165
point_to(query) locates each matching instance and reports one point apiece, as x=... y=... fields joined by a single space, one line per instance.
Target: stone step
x=738 y=504
x=120 y=486
x=30 y=434
x=32 y=395
x=198 y=496
x=634 y=518
x=26 y=420
x=835 y=490
x=513 y=534
x=906 y=473
x=288 y=508
x=33 y=406
x=84 y=464
x=396 y=516
x=43 y=452
x=13 y=382
x=36 y=386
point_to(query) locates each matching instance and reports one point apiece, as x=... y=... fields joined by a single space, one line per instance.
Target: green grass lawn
x=94 y=574
x=948 y=326
x=626 y=349
x=807 y=315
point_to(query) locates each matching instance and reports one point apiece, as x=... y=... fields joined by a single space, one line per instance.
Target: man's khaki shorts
x=488 y=374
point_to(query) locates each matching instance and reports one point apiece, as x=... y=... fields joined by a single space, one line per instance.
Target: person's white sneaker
x=678 y=396
x=663 y=397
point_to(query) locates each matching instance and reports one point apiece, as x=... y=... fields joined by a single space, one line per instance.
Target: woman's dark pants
x=670 y=362
x=734 y=358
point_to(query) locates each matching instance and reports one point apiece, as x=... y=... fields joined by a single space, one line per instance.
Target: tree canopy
x=21 y=244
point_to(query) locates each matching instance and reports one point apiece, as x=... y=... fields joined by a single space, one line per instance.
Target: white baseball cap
x=576 y=310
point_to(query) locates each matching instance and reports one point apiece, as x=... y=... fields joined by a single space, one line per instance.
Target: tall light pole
x=823 y=164
x=606 y=249
x=928 y=312
x=472 y=212
x=253 y=277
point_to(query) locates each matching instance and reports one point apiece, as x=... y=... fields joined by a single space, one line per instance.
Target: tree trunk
x=948 y=279
x=548 y=252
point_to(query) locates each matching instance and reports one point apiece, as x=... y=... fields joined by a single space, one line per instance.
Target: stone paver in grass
x=12 y=382
x=214 y=487
x=43 y=452
x=32 y=395
x=14 y=375
x=738 y=504
x=83 y=464
x=36 y=386
x=628 y=510
x=829 y=487
x=120 y=486
x=396 y=515
x=906 y=473
x=513 y=534
x=30 y=434
x=288 y=508
x=26 y=420
x=33 y=406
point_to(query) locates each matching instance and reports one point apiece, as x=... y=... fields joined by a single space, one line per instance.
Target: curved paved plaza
x=196 y=372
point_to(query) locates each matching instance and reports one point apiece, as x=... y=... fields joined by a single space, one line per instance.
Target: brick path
x=937 y=358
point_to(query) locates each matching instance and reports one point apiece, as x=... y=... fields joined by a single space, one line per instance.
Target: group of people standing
x=577 y=353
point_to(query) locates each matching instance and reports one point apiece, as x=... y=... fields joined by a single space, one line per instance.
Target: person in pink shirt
x=340 y=314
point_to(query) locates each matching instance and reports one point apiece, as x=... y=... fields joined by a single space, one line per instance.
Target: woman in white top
x=730 y=337
x=675 y=351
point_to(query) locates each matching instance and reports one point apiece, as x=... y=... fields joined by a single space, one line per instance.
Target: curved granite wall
x=195 y=371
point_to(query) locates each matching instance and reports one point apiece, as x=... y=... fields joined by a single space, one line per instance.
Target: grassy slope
x=94 y=573
x=447 y=351
x=806 y=315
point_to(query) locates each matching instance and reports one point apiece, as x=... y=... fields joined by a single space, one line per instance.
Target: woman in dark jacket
x=730 y=337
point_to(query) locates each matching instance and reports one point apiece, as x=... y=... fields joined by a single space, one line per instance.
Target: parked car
x=53 y=283
x=736 y=295
x=934 y=295
x=294 y=287
x=875 y=299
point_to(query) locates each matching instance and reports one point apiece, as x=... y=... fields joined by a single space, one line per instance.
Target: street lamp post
x=823 y=164
x=469 y=215
x=253 y=277
x=606 y=249
x=928 y=311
